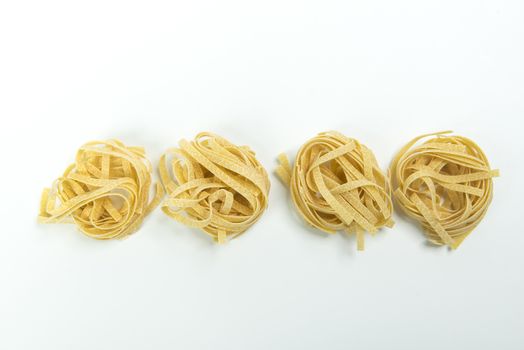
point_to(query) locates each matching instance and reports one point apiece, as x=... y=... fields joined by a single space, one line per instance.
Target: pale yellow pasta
x=444 y=183
x=214 y=185
x=105 y=192
x=336 y=184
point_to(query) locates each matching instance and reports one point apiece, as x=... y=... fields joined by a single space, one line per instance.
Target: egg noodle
x=214 y=185
x=105 y=192
x=336 y=185
x=445 y=184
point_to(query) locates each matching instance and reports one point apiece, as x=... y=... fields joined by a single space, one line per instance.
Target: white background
x=270 y=74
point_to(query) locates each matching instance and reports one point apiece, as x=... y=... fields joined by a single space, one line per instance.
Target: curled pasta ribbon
x=105 y=192
x=445 y=184
x=337 y=185
x=214 y=185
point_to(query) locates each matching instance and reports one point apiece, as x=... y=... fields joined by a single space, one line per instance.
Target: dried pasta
x=444 y=183
x=214 y=185
x=336 y=185
x=105 y=192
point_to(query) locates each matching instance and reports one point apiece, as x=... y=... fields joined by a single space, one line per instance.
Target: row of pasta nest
x=444 y=183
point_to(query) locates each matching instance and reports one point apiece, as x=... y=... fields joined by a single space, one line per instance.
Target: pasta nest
x=445 y=184
x=336 y=185
x=105 y=192
x=214 y=185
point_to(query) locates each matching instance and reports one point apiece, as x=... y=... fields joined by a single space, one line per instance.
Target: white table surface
x=270 y=74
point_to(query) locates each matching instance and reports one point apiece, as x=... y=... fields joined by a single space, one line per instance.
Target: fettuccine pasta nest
x=105 y=192
x=214 y=185
x=444 y=183
x=336 y=185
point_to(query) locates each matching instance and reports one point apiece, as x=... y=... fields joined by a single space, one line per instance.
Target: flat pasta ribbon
x=105 y=192
x=445 y=184
x=214 y=185
x=336 y=185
